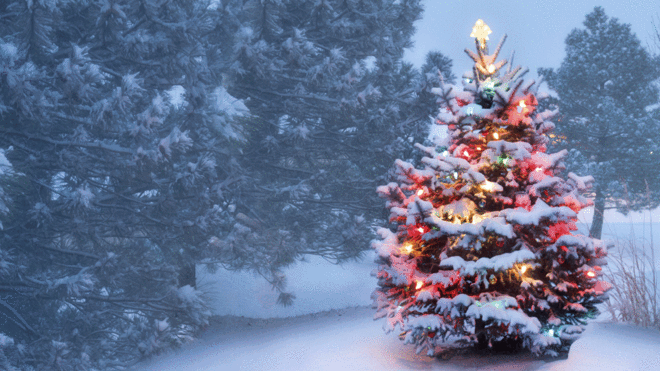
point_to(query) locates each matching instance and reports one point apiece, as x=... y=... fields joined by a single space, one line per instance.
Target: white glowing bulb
x=408 y=247
x=496 y=136
x=551 y=332
x=419 y=285
x=420 y=230
x=465 y=153
x=539 y=169
x=445 y=153
x=455 y=175
x=478 y=148
x=522 y=104
x=591 y=274
x=420 y=192
x=491 y=68
x=523 y=269
x=488 y=186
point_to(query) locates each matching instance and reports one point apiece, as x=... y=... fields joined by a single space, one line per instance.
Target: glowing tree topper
x=486 y=252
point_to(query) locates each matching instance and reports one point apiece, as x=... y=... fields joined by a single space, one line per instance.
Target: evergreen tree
x=484 y=252
x=116 y=192
x=604 y=86
x=327 y=85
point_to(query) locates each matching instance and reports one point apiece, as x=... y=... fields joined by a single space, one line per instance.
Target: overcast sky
x=536 y=30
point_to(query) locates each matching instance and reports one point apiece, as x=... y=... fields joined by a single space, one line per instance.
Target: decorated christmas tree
x=486 y=252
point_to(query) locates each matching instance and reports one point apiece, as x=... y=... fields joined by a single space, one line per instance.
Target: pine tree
x=328 y=89
x=604 y=86
x=115 y=191
x=485 y=251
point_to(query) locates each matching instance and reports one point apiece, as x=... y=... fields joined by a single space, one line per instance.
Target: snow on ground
x=612 y=346
x=318 y=285
x=253 y=333
x=350 y=339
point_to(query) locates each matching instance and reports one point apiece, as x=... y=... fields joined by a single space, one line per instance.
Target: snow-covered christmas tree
x=486 y=251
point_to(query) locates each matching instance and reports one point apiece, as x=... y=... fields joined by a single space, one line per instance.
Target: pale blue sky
x=536 y=30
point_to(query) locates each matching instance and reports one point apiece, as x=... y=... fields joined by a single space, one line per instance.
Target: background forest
x=142 y=139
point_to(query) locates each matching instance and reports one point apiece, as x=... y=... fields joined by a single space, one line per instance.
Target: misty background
x=165 y=162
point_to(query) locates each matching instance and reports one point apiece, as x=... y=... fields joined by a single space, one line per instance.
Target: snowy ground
x=253 y=333
x=318 y=285
x=350 y=339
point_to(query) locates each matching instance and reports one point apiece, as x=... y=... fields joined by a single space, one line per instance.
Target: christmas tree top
x=485 y=252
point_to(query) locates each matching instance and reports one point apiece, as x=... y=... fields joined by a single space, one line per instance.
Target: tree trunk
x=480 y=331
x=187 y=275
x=599 y=214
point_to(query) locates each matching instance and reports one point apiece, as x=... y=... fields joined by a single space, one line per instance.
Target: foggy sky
x=536 y=30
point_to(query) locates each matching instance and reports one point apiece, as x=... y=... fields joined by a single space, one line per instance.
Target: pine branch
x=140 y=214
x=499 y=46
x=105 y=147
x=17 y=318
x=287 y=95
x=70 y=252
x=135 y=26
